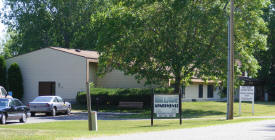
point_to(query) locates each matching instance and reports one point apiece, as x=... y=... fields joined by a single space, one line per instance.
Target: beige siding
x=92 y=72
x=116 y=79
x=67 y=70
x=192 y=92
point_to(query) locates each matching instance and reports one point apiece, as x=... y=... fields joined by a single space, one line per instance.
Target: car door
x=11 y=111
x=19 y=108
x=61 y=104
x=56 y=104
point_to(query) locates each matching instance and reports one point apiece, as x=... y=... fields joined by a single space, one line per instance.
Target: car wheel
x=53 y=113
x=32 y=114
x=24 y=118
x=3 y=119
x=68 y=112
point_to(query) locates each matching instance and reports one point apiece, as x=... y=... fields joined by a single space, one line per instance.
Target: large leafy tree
x=267 y=58
x=3 y=73
x=175 y=39
x=42 y=23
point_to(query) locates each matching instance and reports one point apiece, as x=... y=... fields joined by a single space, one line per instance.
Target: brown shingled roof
x=83 y=53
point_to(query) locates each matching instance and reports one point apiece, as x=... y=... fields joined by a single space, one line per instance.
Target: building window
x=46 y=88
x=200 y=91
x=210 y=91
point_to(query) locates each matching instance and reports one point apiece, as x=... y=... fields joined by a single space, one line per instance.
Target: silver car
x=50 y=105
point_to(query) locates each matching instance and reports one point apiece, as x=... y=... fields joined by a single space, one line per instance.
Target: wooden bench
x=124 y=104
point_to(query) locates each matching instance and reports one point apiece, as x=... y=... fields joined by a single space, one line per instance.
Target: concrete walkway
x=260 y=130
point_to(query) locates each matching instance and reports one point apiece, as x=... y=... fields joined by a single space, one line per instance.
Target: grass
x=77 y=129
x=204 y=110
x=209 y=112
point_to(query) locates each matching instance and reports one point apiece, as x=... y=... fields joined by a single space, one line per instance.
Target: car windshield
x=43 y=99
x=4 y=103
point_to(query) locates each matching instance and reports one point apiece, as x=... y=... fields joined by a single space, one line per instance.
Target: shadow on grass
x=265 y=103
x=190 y=113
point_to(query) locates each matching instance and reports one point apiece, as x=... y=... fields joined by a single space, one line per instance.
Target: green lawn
x=76 y=129
x=209 y=112
x=215 y=109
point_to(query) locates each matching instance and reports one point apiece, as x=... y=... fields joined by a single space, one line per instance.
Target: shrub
x=3 y=72
x=111 y=97
x=15 y=81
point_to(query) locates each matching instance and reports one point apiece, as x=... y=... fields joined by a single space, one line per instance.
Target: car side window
x=17 y=103
x=59 y=99
x=12 y=103
x=55 y=100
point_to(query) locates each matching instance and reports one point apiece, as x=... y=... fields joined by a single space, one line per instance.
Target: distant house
x=199 y=90
x=64 y=72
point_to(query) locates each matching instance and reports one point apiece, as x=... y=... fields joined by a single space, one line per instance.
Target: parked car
x=13 y=109
x=4 y=93
x=51 y=105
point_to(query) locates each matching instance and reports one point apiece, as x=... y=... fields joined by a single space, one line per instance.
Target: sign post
x=246 y=94
x=152 y=108
x=180 y=110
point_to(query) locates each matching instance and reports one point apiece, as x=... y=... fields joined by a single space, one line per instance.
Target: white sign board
x=247 y=93
x=166 y=105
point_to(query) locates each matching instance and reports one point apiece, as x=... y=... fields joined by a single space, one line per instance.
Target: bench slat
x=130 y=104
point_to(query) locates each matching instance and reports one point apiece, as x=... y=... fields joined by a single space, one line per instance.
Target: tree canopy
x=41 y=23
x=3 y=73
x=267 y=58
x=175 y=39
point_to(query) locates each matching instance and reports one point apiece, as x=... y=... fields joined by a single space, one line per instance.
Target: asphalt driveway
x=39 y=118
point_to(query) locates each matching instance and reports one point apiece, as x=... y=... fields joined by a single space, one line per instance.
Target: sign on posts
x=166 y=105
x=246 y=94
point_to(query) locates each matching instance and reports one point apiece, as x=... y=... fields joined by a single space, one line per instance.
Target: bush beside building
x=112 y=97
x=15 y=81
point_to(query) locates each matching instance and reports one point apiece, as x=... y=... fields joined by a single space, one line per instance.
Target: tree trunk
x=66 y=40
x=177 y=83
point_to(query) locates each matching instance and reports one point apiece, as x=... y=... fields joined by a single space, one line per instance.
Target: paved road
x=260 y=130
x=39 y=118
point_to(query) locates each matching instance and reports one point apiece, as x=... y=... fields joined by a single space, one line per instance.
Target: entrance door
x=46 y=88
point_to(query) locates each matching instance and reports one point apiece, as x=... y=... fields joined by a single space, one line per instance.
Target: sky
x=2 y=29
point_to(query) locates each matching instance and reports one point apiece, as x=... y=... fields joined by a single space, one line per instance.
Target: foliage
x=111 y=97
x=174 y=39
x=15 y=81
x=38 y=24
x=3 y=71
x=266 y=58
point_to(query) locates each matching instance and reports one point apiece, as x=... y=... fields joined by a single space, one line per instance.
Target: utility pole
x=230 y=76
x=88 y=98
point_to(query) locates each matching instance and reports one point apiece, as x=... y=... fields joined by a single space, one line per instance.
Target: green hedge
x=111 y=97
x=15 y=81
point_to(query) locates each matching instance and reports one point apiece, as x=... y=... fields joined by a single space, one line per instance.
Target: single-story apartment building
x=64 y=72
x=199 y=90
